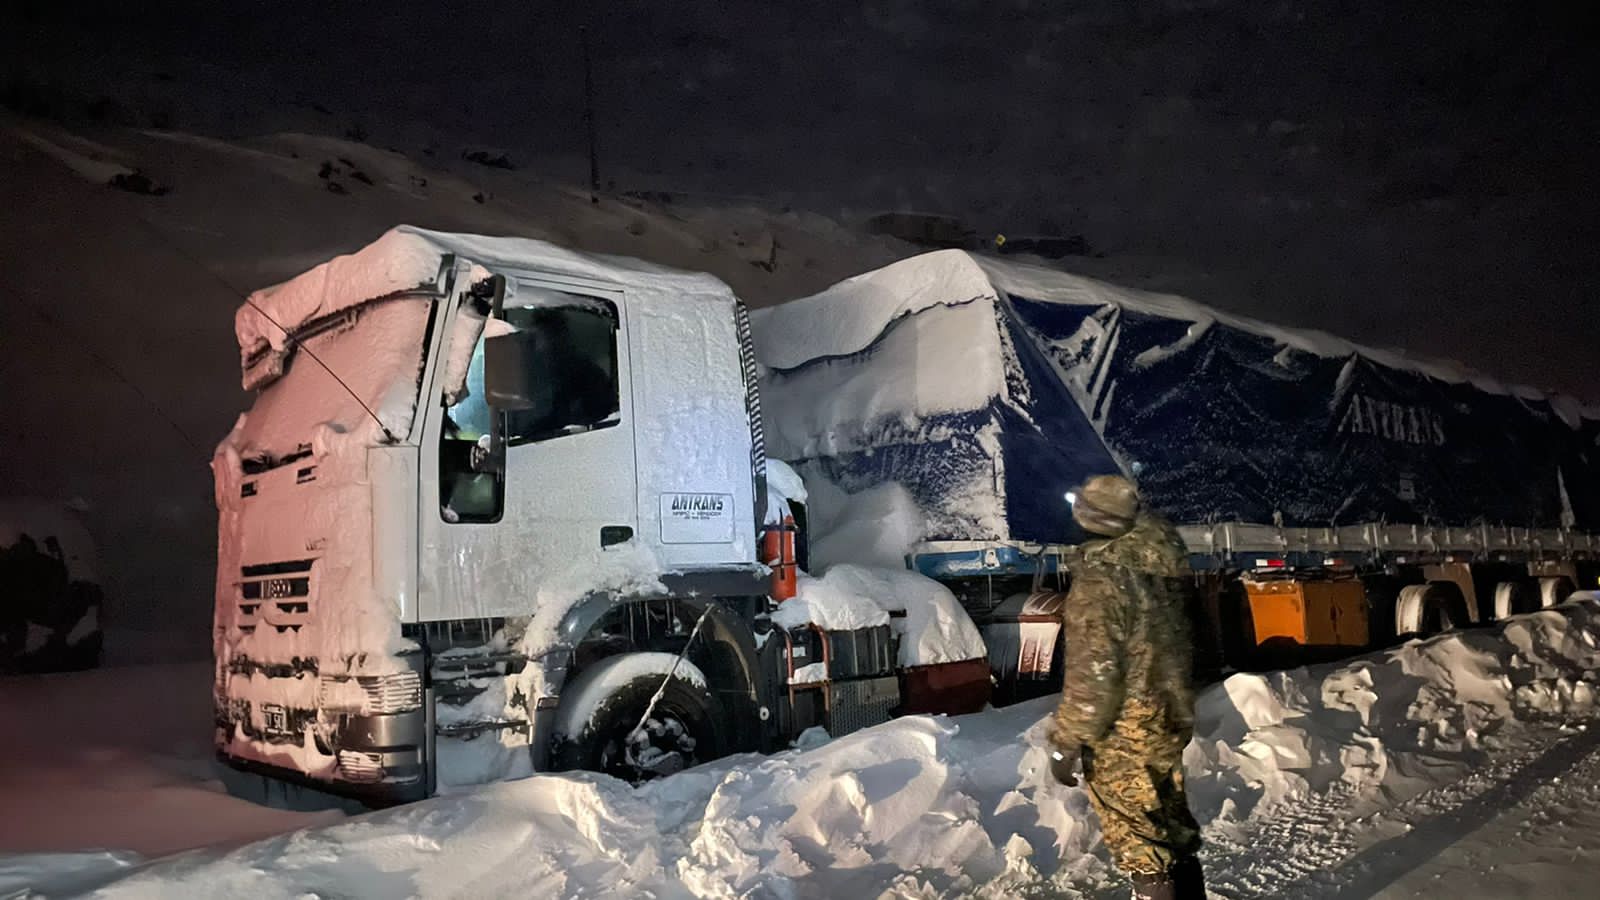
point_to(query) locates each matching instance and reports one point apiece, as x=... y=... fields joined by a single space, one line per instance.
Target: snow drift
x=934 y=807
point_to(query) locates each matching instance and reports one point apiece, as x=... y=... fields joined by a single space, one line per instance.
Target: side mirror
x=512 y=366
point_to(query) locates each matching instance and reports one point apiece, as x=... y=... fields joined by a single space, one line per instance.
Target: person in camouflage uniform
x=1127 y=706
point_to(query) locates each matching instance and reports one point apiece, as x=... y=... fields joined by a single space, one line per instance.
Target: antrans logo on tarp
x=1392 y=421
x=696 y=518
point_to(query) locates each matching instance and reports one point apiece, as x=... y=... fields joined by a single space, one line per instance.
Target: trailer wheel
x=1512 y=598
x=1427 y=609
x=1554 y=591
x=598 y=727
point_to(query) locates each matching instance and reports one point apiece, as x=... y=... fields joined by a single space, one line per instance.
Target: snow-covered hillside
x=1466 y=760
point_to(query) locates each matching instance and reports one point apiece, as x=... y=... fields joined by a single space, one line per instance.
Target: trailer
x=1333 y=497
x=498 y=507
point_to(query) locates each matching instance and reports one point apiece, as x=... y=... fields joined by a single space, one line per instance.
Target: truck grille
x=372 y=695
x=276 y=594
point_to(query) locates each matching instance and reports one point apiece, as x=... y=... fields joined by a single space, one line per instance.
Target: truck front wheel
x=603 y=724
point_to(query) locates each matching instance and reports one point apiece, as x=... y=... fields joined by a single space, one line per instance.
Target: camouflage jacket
x=1128 y=643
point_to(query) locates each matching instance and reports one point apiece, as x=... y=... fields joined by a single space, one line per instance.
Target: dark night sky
x=1412 y=175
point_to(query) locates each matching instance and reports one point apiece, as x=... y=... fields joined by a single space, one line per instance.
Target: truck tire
x=596 y=730
x=1512 y=598
x=1554 y=591
x=1428 y=609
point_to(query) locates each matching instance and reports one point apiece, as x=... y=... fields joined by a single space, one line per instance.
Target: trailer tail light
x=1270 y=564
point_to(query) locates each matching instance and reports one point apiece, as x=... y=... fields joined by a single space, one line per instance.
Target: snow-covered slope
x=1334 y=780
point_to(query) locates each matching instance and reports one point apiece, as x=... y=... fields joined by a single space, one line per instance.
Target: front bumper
x=379 y=760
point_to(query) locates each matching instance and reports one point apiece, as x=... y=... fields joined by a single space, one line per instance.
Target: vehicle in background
x=50 y=595
x=1333 y=497
x=499 y=507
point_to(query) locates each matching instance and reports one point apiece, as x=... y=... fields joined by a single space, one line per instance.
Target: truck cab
x=497 y=508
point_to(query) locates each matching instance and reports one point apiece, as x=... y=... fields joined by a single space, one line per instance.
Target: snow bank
x=929 y=807
x=920 y=807
x=933 y=628
x=1392 y=723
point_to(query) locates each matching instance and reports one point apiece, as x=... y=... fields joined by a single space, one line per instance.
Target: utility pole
x=588 y=116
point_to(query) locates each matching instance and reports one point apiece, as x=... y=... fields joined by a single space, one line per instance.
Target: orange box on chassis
x=1310 y=613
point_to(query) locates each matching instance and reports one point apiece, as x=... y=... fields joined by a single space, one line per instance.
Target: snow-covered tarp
x=988 y=389
x=1309 y=783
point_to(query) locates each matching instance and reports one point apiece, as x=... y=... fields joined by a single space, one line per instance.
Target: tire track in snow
x=1381 y=864
x=1287 y=846
x=1311 y=849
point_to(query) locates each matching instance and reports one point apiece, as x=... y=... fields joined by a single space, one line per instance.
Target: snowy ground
x=1463 y=766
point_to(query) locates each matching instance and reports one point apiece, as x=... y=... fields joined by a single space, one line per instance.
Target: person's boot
x=1154 y=887
x=1188 y=879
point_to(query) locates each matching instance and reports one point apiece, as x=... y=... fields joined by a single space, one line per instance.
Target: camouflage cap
x=1106 y=505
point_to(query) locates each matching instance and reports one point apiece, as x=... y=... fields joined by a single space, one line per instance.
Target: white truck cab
x=384 y=511
x=496 y=509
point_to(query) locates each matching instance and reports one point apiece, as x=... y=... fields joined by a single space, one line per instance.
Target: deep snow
x=1467 y=761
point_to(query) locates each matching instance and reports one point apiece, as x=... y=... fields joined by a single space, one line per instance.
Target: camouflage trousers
x=1144 y=813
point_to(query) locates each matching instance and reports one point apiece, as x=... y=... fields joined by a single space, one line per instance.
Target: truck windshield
x=376 y=349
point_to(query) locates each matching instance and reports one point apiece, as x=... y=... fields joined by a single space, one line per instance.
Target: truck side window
x=577 y=362
x=577 y=339
x=467 y=493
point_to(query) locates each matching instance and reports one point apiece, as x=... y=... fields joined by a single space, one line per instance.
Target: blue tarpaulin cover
x=988 y=389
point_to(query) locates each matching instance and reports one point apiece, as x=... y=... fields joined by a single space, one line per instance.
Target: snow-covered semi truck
x=499 y=507
x=1332 y=496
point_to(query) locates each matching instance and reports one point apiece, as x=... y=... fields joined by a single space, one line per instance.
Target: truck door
x=494 y=532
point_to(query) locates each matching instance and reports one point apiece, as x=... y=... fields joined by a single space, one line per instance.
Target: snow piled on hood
x=930 y=807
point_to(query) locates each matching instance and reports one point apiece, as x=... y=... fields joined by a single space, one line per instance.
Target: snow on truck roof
x=852 y=315
x=407 y=257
